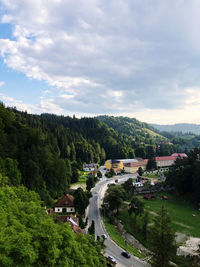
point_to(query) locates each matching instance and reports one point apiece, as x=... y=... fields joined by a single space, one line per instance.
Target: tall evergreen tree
x=163 y=240
x=90 y=182
x=91 y=229
x=137 y=207
x=81 y=201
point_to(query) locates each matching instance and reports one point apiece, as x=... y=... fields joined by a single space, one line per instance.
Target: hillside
x=129 y=126
x=179 y=127
x=45 y=151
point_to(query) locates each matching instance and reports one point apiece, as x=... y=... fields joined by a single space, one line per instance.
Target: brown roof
x=66 y=201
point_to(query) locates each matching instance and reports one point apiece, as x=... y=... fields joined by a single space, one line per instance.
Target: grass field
x=81 y=181
x=185 y=218
x=151 y=175
x=120 y=241
x=184 y=215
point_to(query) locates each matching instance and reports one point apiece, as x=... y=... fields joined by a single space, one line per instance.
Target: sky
x=136 y=58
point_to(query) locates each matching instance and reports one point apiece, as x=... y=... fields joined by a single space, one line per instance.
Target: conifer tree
x=163 y=240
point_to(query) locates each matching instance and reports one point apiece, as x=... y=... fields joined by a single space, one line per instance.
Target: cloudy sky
x=139 y=58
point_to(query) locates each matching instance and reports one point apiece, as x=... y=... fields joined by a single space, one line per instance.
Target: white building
x=65 y=204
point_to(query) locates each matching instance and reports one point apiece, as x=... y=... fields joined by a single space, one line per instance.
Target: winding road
x=94 y=214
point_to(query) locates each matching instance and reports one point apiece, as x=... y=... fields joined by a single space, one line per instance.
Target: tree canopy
x=163 y=240
x=29 y=237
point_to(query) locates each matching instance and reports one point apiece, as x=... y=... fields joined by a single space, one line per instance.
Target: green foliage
x=163 y=240
x=99 y=174
x=144 y=226
x=140 y=139
x=81 y=223
x=37 y=151
x=91 y=229
x=90 y=183
x=110 y=174
x=75 y=175
x=151 y=165
x=129 y=188
x=136 y=206
x=140 y=171
x=185 y=175
x=9 y=168
x=114 y=197
x=81 y=201
x=29 y=237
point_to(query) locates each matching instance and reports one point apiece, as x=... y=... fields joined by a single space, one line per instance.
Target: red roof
x=66 y=201
x=165 y=158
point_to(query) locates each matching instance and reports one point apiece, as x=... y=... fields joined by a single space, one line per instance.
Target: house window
x=58 y=209
x=71 y=209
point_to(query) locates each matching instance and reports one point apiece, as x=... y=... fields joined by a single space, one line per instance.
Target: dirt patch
x=190 y=247
x=76 y=186
x=183 y=225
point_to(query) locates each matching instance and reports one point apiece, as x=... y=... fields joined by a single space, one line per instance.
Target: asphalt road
x=94 y=214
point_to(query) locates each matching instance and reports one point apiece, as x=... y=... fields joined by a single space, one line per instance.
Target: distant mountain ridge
x=179 y=127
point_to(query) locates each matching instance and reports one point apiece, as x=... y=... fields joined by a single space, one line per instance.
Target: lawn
x=81 y=181
x=120 y=241
x=184 y=215
x=151 y=175
x=185 y=218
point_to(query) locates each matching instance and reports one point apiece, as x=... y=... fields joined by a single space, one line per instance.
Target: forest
x=43 y=152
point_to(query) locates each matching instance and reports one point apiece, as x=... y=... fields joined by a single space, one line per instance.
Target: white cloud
x=108 y=57
x=11 y=102
x=2 y=83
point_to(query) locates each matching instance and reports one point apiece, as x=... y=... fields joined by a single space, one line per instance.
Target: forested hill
x=179 y=127
x=132 y=127
x=164 y=142
x=43 y=152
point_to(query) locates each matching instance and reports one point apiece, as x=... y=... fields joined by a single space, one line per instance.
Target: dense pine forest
x=43 y=152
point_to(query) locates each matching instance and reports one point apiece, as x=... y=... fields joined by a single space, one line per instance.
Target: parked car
x=104 y=236
x=126 y=254
x=111 y=259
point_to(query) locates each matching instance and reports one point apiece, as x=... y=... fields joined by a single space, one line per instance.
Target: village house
x=128 y=165
x=138 y=184
x=89 y=167
x=163 y=163
x=132 y=167
x=115 y=164
x=65 y=204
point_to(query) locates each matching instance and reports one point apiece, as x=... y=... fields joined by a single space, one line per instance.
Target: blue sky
x=134 y=58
